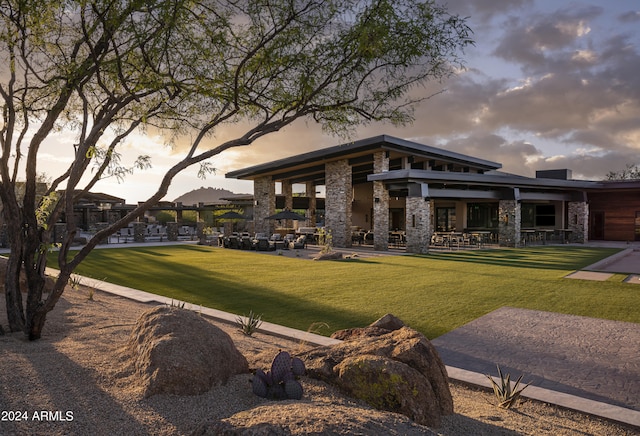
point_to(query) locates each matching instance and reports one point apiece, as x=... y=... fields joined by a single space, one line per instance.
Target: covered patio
x=390 y=192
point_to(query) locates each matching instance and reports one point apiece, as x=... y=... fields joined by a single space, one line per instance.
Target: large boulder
x=176 y=351
x=399 y=371
x=381 y=326
x=296 y=418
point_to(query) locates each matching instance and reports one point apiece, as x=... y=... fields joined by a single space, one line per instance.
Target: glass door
x=445 y=219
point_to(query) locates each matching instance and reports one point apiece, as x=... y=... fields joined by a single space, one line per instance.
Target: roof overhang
x=489 y=180
x=313 y=162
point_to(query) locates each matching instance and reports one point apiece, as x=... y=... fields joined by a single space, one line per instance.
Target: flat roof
x=494 y=178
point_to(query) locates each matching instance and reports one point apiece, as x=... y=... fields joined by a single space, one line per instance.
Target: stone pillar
x=264 y=194
x=202 y=236
x=139 y=231
x=432 y=217
x=418 y=225
x=338 y=202
x=578 y=212
x=509 y=216
x=287 y=191
x=172 y=231
x=380 y=204
x=311 y=211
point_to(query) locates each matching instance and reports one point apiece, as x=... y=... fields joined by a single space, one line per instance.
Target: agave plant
x=506 y=393
x=249 y=324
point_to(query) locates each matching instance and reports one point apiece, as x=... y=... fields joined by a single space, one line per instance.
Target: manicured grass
x=435 y=293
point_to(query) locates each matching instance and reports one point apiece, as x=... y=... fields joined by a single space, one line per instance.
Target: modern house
x=387 y=187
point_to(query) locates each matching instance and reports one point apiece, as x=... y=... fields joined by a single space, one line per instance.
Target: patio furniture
x=299 y=243
x=260 y=242
x=276 y=242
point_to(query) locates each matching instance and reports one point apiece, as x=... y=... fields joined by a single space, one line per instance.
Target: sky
x=547 y=85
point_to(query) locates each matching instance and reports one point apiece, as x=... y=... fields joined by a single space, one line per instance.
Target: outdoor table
x=529 y=236
x=564 y=234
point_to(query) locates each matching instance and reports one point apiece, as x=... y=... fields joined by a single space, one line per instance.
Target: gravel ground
x=75 y=381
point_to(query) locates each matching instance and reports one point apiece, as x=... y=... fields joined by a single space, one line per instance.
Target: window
x=538 y=215
x=445 y=219
x=482 y=215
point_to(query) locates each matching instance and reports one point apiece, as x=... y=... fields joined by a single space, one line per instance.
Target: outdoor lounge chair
x=299 y=243
x=260 y=242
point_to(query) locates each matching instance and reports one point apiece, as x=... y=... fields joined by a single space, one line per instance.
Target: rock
x=387 y=384
x=358 y=333
x=379 y=327
x=414 y=378
x=176 y=351
x=333 y=255
x=312 y=418
x=388 y=322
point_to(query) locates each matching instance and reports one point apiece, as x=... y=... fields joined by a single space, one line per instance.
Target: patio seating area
x=263 y=242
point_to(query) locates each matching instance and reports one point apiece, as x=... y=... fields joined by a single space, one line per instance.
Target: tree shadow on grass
x=557 y=258
x=217 y=287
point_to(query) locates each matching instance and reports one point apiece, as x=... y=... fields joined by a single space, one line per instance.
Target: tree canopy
x=631 y=172
x=103 y=69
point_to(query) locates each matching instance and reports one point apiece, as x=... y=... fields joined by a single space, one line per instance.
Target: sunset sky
x=548 y=84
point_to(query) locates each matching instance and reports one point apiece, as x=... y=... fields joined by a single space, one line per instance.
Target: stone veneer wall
x=509 y=216
x=310 y=189
x=264 y=194
x=287 y=191
x=139 y=230
x=578 y=221
x=380 y=207
x=338 y=202
x=418 y=226
x=172 y=231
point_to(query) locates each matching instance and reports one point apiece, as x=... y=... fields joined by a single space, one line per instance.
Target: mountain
x=206 y=195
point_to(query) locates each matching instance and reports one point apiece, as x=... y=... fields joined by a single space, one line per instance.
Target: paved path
x=587 y=357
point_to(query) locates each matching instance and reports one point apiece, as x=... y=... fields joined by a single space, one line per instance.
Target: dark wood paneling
x=619 y=209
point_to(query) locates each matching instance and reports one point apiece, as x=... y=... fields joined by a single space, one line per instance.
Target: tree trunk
x=35 y=324
x=13 y=293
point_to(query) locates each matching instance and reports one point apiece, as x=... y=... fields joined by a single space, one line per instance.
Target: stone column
x=311 y=211
x=338 y=202
x=139 y=231
x=264 y=194
x=287 y=191
x=380 y=204
x=509 y=216
x=418 y=226
x=202 y=236
x=578 y=212
x=172 y=231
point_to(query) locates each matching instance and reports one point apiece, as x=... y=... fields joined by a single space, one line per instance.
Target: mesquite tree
x=103 y=69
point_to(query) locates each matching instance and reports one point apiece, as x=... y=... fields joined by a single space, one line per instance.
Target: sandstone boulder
x=312 y=419
x=379 y=327
x=176 y=351
x=399 y=371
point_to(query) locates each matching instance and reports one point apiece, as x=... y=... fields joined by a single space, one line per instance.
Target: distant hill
x=205 y=195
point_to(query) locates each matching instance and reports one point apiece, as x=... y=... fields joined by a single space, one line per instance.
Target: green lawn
x=434 y=293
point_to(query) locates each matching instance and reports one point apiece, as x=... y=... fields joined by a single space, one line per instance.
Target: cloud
x=534 y=41
x=629 y=17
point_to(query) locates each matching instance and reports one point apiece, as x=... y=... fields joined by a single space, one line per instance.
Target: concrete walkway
x=581 y=363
